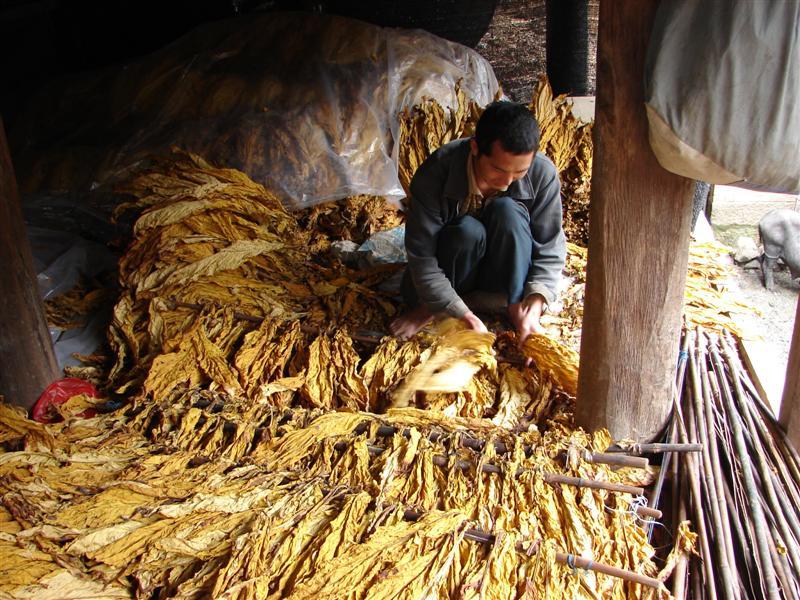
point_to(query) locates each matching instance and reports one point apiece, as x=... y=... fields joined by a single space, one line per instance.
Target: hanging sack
x=722 y=92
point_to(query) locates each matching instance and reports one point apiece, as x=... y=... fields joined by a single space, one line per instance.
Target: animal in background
x=780 y=235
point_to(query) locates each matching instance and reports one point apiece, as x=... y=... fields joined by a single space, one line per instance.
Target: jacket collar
x=457 y=187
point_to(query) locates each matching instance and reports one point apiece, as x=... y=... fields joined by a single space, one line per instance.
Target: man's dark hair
x=510 y=123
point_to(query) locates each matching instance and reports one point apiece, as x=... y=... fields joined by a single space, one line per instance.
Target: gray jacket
x=438 y=188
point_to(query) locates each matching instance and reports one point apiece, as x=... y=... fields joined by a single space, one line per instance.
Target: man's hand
x=474 y=322
x=525 y=317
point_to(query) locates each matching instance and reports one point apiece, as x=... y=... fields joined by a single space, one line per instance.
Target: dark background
x=42 y=40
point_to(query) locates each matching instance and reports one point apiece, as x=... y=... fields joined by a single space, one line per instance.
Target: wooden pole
x=27 y=362
x=790 y=404
x=567 y=45
x=638 y=246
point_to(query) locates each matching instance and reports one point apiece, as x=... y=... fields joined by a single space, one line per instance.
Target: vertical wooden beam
x=638 y=245
x=790 y=404
x=27 y=362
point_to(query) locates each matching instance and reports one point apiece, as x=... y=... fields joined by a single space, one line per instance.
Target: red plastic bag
x=59 y=392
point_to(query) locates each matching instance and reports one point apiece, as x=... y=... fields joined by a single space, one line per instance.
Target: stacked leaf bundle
x=744 y=492
x=427 y=126
x=162 y=500
x=568 y=143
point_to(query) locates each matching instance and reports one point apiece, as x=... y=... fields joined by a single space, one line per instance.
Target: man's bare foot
x=410 y=322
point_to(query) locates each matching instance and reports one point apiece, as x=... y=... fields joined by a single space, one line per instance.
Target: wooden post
x=638 y=246
x=27 y=362
x=567 y=44
x=790 y=404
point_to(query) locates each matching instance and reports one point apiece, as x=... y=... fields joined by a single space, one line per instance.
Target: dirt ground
x=736 y=213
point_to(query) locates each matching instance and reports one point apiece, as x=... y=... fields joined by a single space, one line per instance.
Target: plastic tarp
x=722 y=91
x=306 y=104
x=61 y=259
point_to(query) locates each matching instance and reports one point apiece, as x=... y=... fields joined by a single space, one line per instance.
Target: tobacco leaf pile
x=208 y=495
x=707 y=301
x=267 y=451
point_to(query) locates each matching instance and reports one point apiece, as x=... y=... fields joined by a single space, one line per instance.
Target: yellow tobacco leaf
x=225 y=260
x=332 y=379
x=15 y=427
x=555 y=359
x=107 y=507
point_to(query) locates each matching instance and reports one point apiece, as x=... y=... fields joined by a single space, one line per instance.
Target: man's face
x=494 y=172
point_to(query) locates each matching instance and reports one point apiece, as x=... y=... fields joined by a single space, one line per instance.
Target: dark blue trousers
x=492 y=253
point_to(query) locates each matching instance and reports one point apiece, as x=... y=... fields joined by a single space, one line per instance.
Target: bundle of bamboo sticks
x=743 y=490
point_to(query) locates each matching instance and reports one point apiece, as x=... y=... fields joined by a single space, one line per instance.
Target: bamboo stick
x=781 y=564
x=646 y=511
x=665 y=464
x=786 y=523
x=655 y=497
x=679 y=575
x=655 y=448
x=553 y=479
x=698 y=590
x=707 y=409
x=700 y=521
x=759 y=521
x=720 y=526
x=744 y=537
x=788 y=450
x=635 y=462
x=779 y=461
x=770 y=432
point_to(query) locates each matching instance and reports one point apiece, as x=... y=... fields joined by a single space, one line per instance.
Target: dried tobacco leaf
x=555 y=360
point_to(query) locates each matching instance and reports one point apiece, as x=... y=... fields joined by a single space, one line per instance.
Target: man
x=485 y=215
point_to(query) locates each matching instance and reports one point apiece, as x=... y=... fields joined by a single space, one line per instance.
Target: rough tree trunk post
x=638 y=246
x=790 y=404
x=27 y=362
x=567 y=40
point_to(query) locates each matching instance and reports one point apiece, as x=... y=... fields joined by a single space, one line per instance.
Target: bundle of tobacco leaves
x=564 y=325
x=427 y=126
x=213 y=254
x=568 y=143
x=73 y=308
x=355 y=218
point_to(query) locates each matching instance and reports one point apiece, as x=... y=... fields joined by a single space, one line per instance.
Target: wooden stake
x=27 y=362
x=639 y=223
